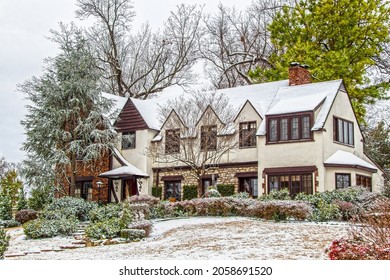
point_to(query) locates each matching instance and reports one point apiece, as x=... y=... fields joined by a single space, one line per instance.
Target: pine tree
x=69 y=118
x=22 y=201
x=337 y=39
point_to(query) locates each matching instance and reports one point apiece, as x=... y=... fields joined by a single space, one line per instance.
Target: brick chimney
x=298 y=74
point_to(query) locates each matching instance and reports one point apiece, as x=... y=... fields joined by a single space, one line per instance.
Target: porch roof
x=123 y=172
x=348 y=160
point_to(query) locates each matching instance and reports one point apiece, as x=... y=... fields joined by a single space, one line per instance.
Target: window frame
x=253 y=184
x=289 y=128
x=345 y=131
x=131 y=146
x=368 y=181
x=342 y=174
x=208 y=137
x=284 y=180
x=170 y=146
x=247 y=137
x=175 y=195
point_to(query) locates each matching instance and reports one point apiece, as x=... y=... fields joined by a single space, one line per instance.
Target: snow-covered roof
x=267 y=99
x=349 y=160
x=118 y=104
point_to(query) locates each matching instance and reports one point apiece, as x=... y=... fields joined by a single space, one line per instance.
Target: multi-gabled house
x=290 y=134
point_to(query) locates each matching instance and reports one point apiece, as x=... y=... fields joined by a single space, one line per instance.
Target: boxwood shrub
x=9 y=223
x=190 y=192
x=132 y=234
x=42 y=228
x=104 y=229
x=72 y=206
x=106 y=212
x=4 y=242
x=157 y=192
x=226 y=190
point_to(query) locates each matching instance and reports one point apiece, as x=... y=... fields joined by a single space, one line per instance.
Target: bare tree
x=145 y=62
x=237 y=41
x=198 y=131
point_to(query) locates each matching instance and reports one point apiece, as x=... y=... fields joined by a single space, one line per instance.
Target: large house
x=290 y=134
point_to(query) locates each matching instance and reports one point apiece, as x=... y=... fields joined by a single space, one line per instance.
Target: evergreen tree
x=22 y=201
x=69 y=119
x=337 y=39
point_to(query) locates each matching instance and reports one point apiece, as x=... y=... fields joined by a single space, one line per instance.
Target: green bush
x=71 y=206
x=9 y=223
x=4 y=242
x=42 y=228
x=326 y=211
x=282 y=194
x=126 y=216
x=132 y=234
x=241 y=195
x=212 y=193
x=106 y=212
x=22 y=201
x=225 y=190
x=157 y=192
x=144 y=225
x=40 y=197
x=190 y=192
x=5 y=207
x=105 y=229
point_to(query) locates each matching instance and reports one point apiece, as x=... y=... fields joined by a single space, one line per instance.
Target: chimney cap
x=305 y=66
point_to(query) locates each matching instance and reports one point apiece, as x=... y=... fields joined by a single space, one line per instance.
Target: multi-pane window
x=84 y=190
x=249 y=185
x=128 y=140
x=248 y=134
x=208 y=137
x=289 y=128
x=343 y=180
x=343 y=131
x=172 y=141
x=294 y=183
x=173 y=189
x=364 y=181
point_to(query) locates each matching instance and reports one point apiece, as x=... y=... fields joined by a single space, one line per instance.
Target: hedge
x=190 y=192
x=157 y=192
x=226 y=190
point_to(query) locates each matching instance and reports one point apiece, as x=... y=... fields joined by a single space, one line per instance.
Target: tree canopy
x=337 y=39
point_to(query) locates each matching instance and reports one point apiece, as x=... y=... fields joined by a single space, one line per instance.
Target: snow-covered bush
x=146 y=226
x=325 y=211
x=4 y=242
x=105 y=212
x=241 y=195
x=212 y=193
x=104 y=229
x=26 y=215
x=143 y=198
x=282 y=194
x=71 y=206
x=133 y=234
x=9 y=223
x=42 y=228
x=5 y=207
x=279 y=210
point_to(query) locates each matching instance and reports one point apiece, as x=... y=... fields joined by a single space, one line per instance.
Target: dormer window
x=172 y=141
x=289 y=128
x=208 y=137
x=247 y=134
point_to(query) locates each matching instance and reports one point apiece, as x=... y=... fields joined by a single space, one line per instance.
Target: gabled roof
x=267 y=99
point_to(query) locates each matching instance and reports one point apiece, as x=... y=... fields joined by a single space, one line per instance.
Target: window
x=343 y=131
x=172 y=141
x=173 y=189
x=295 y=183
x=208 y=137
x=128 y=140
x=248 y=134
x=343 y=180
x=289 y=128
x=84 y=190
x=364 y=181
x=249 y=185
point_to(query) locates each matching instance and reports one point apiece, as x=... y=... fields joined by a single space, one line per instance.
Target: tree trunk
x=200 y=187
x=72 y=176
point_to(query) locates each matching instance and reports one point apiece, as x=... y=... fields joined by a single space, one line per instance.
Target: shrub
x=22 y=201
x=5 y=207
x=42 y=228
x=157 y=192
x=40 y=197
x=104 y=229
x=126 y=216
x=9 y=223
x=26 y=215
x=279 y=210
x=144 y=198
x=212 y=193
x=146 y=226
x=241 y=195
x=4 y=242
x=190 y=192
x=282 y=194
x=226 y=190
x=71 y=206
x=106 y=212
x=132 y=234
x=325 y=211
x=347 y=209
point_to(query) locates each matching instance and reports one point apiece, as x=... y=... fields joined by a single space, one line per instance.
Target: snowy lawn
x=201 y=238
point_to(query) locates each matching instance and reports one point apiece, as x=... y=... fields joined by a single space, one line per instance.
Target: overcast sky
x=24 y=26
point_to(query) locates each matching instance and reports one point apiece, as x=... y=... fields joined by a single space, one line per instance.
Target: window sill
x=344 y=144
x=290 y=141
x=247 y=147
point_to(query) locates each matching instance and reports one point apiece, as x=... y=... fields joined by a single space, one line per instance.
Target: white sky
x=23 y=46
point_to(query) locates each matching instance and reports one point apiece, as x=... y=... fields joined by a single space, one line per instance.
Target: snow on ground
x=202 y=238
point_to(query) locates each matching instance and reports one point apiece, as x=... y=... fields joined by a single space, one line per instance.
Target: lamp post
x=99 y=185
